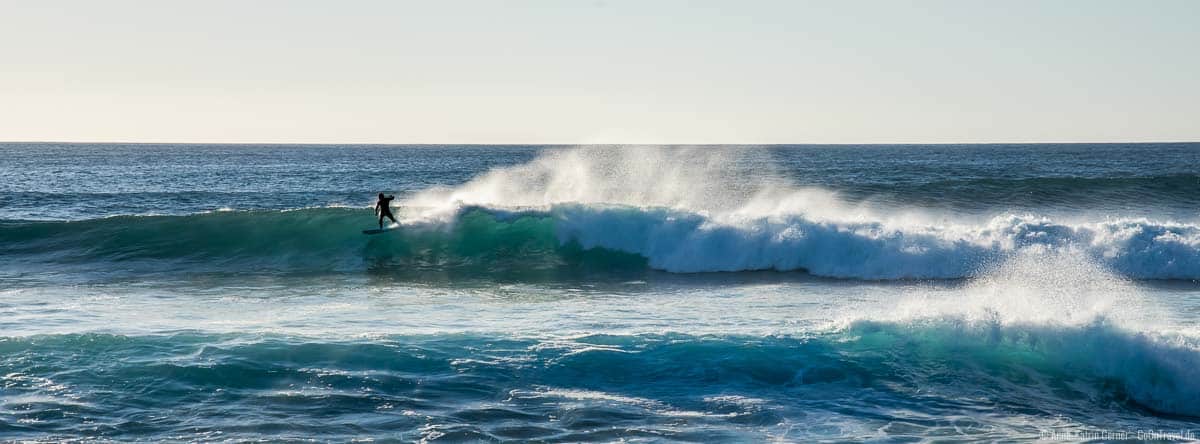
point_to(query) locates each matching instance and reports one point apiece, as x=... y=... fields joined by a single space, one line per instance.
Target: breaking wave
x=600 y=236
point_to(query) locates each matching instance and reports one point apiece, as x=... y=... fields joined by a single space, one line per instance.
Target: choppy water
x=794 y=293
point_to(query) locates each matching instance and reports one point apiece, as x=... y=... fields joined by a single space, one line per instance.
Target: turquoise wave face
x=903 y=378
x=301 y=242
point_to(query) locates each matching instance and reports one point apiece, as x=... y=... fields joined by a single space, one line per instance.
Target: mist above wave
x=702 y=210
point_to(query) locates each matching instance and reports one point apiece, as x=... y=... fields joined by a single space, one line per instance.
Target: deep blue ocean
x=600 y=293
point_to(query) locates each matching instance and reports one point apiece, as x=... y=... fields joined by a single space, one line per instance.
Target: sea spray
x=1048 y=311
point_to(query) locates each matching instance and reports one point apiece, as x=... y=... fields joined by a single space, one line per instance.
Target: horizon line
x=1118 y=142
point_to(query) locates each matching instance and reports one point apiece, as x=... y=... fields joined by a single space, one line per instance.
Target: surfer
x=383 y=208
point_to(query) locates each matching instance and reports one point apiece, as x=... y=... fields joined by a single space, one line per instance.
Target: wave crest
x=681 y=241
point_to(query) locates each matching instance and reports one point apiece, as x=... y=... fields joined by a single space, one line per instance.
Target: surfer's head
x=380 y=196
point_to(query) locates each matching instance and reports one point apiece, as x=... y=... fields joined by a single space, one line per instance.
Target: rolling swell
x=306 y=240
x=476 y=386
x=596 y=237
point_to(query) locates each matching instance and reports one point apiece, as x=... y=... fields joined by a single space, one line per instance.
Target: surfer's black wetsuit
x=384 y=208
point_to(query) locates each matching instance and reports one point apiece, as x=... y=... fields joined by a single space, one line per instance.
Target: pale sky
x=574 y=72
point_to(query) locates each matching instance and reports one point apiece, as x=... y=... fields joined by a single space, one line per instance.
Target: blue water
x=748 y=293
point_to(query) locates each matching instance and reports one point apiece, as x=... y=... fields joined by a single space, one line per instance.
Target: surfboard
x=381 y=230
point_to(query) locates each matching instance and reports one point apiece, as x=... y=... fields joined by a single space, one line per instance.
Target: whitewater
x=646 y=293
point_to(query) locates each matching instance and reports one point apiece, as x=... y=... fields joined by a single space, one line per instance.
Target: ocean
x=177 y=292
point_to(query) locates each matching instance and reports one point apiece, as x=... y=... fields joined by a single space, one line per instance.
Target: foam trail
x=689 y=242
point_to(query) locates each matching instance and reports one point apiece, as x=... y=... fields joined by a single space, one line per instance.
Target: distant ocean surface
x=599 y=293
